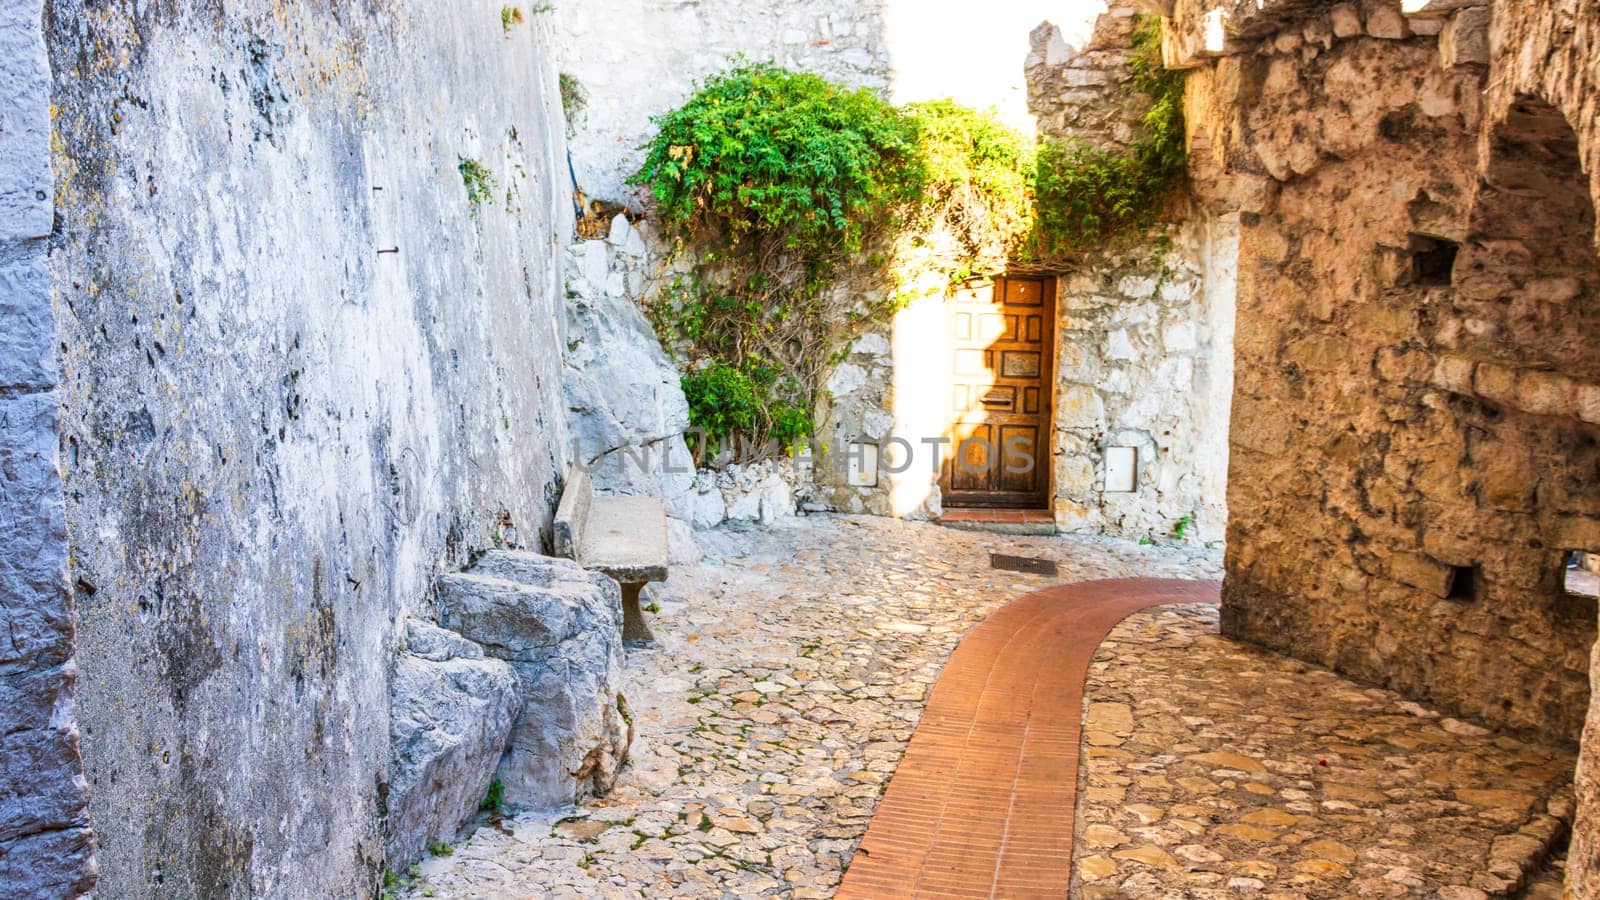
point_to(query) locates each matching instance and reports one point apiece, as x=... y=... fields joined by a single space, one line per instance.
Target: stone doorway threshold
x=999 y=521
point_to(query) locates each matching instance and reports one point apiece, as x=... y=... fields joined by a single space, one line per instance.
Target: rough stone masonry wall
x=1145 y=326
x=300 y=376
x=46 y=849
x=1144 y=362
x=1409 y=452
x=1550 y=50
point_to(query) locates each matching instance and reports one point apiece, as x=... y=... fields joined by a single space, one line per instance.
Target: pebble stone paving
x=792 y=670
x=793 y=666
x=1214 y=770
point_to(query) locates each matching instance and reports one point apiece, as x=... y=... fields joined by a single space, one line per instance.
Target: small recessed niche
x=1433 y=260
x=1465 y=582
x=1122 y=470
x=1581 y=574
x=862 y=465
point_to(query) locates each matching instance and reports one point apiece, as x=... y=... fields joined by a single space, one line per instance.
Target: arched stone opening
x=1517 y=338
x=1525 y=324
x=1528 y=280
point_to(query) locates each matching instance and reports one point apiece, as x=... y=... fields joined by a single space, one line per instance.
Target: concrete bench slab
x=626 y=538
x=623 y=537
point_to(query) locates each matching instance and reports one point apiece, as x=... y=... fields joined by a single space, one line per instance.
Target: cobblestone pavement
x=792 y=670
x=1213 y=770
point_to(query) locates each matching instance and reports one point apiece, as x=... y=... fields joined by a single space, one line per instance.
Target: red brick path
x=982 y=804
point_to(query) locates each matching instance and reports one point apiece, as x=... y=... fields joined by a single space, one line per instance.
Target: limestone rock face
x=682 y=549
x=292 y=474
x=560 y=628
x=625 y=406
x=451 y=711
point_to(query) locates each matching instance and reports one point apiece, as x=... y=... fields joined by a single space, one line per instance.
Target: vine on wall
x=795 y=201
x=1086 y=195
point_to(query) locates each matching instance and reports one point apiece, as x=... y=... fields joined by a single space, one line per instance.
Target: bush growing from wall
x=783 y=186
x=1086 y=195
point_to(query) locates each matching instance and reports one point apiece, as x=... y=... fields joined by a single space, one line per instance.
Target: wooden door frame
x=1047 y=398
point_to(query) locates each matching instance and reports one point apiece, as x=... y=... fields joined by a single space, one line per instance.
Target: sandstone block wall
x=46 y=849
x=1412 y=450
x=301 y=374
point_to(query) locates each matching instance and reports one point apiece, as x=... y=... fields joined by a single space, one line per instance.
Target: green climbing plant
x=781 y=188
x=977 y=185
x=479 y=181
x=1086 y=195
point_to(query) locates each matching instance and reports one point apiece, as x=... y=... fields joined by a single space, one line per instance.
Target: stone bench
x=622 y=537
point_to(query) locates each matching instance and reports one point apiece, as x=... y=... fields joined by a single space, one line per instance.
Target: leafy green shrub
x=754 y=404
x=494 y=797
x=722 y=400
x=574 y=99
x=761 y=151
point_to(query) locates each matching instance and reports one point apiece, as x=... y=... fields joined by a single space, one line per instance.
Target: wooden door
x=1002 y=336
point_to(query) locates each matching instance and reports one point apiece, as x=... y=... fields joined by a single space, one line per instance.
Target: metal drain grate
x=1027 y=564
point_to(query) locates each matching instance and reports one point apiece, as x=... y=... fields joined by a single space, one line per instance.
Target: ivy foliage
x=788 y=196
x=1085 y=195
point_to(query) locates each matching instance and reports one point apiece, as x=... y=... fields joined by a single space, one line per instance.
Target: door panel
x=1002 y=337
x=1018 y=461
x=972 y=464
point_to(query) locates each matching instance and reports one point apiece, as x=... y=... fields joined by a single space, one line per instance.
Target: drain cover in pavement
x=1022 y=564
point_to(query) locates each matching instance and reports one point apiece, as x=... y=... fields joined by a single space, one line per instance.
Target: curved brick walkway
x=982 y=804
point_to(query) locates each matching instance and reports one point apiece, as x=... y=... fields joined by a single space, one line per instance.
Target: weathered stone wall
x=1416 y=436
x=1410 y=450
x=1144 y=355
x=1546 y=61
x=46 y=849
x=1144 y=363
x=626 y=411
x=301 y=375
x=1074 y=82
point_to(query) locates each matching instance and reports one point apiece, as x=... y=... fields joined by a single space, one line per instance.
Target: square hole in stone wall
x=1582 y=575
x=1464 y=582
x=1432 y=259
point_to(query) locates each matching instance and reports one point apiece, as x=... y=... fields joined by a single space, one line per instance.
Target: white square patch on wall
x=862 y=465
x=1122 y=470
